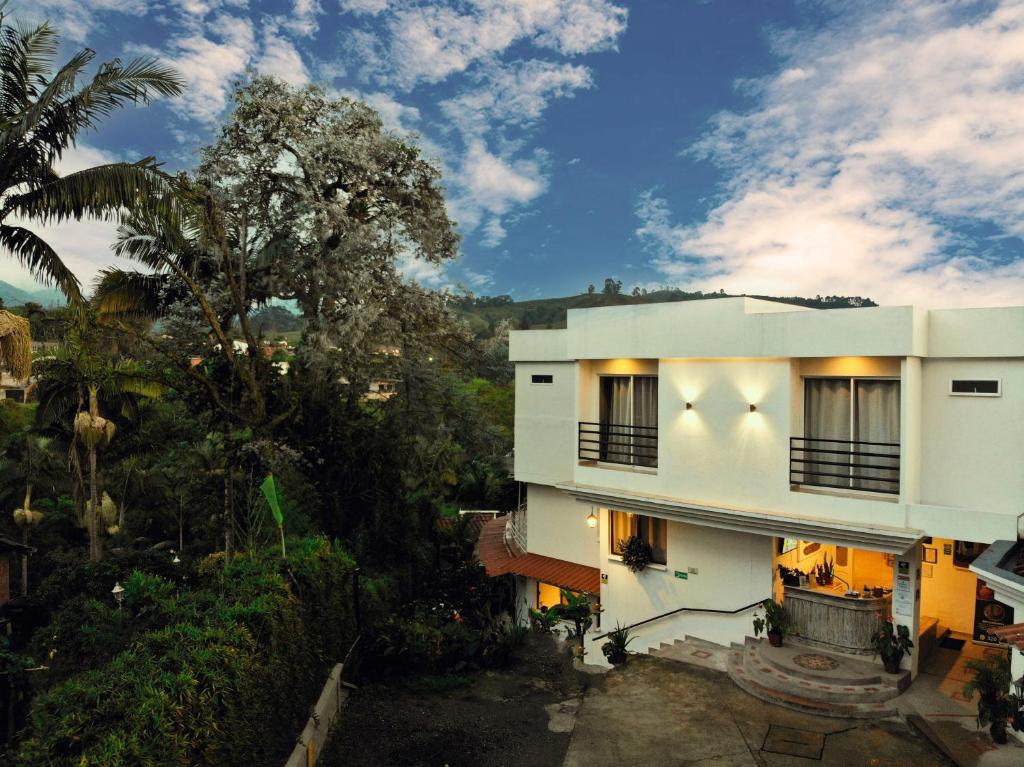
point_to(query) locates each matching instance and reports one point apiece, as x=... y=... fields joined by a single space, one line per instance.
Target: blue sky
x=779 y=146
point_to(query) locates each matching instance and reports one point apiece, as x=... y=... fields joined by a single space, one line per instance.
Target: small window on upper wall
x=542 y=379
x=975 y=387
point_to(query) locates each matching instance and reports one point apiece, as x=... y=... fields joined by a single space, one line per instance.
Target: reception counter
x=825 y=616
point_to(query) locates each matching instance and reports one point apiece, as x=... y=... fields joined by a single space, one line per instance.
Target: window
x=984 y=387
x=542 y=379
x=651 y=530
x=965 y=552
x=851 y=434
x=629 y=420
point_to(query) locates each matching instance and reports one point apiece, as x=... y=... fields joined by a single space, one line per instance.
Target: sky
x=782 y=147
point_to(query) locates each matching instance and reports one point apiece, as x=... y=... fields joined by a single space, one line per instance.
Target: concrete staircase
x=852 y=689
x=695 y=651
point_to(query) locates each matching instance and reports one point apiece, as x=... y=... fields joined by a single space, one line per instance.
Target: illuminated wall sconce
x=591 y=519
x=753 y=408
x=689 y=406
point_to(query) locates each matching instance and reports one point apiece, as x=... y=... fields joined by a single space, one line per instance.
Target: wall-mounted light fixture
x=753 y=408
x=591 y=519
x=689 y=406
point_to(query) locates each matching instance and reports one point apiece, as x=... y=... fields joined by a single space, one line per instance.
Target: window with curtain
x=851 y=433
x=651 y=530
x=629 y=420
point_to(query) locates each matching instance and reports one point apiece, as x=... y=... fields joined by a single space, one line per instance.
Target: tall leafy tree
x=43 y=110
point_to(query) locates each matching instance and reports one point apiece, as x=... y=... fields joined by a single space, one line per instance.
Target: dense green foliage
x=216 y=667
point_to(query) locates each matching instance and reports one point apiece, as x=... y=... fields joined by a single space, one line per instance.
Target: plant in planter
x=789 y=576
x=774 y=621
x=636 y=553
x=996 y=704
x=615 y=648
x=826 y=571
x=892 y=642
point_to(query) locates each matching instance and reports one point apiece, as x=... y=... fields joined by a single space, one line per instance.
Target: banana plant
x=269 y=488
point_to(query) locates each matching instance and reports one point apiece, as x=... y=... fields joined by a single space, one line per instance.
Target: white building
x=736 y=435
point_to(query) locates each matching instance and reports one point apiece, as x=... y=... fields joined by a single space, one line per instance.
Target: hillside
x=13 y=296
x=485 y=312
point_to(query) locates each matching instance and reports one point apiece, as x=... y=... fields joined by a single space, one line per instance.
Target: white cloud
x=209 y=65
x=514 y=95
x=879 y=137
x=281 y=58
x=493 y=233
x=432 y=41
x=395 y=115
x=76 y=19
x=497 y=184
x=302 y=20
x=370 y=7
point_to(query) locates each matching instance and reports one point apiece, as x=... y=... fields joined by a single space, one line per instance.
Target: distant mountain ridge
x=13 y=296
x=483 y=313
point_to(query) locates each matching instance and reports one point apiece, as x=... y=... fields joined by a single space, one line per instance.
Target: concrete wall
x=733 y=570
x=973 y=447
x=557 y=527
x=545 y=423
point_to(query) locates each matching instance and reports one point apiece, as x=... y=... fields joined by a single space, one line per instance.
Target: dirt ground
x=541 y=712
x=520 y=716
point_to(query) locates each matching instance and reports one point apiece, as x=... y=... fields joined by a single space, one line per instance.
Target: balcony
x=845 y=465
x=618 y=443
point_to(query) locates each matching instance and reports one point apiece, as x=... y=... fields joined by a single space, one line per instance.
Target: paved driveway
x=660 y=713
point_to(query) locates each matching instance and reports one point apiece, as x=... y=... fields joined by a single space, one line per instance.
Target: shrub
x=636 y=554
x=220 y=673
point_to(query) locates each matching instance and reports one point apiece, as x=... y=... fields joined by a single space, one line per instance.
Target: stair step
x=835 y=705
x=704 y=643
x=870 y=677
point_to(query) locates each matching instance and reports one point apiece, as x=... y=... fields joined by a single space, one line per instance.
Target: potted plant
x=996 y=704
x=774 y=622
x=892 y=642
x=789 y=576
x=826 y=571
x=636 y=553
x=615 y=648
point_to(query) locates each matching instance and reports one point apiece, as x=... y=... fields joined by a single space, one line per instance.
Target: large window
x=851 y=434
x=629 y=420
x=651 y=530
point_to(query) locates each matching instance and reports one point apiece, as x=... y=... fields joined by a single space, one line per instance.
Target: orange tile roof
x=499 y=560
x=1011 y=635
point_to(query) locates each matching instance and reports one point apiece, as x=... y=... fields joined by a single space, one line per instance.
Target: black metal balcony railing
x=845 y=464
x=618 y=443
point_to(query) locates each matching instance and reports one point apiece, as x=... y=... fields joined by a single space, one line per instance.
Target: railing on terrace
x=516 y=529
x=618 y=443
x=845 y=464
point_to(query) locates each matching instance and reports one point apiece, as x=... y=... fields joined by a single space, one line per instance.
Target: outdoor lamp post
x=118 y=592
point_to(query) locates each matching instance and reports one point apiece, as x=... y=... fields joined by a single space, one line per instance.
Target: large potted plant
x=891 y=643
x=773 y=621
x=992 y=680
x=636 y=553
x=615 y=648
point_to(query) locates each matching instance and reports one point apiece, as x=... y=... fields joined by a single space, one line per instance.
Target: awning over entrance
x=499 y=559
x=894 y=540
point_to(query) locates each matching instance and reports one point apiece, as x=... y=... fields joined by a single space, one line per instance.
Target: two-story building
x=734 y=436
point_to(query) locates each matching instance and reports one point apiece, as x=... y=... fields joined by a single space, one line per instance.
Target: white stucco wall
x=557 y=527
x=733 y=570
x=973 y=447
x=545 y=422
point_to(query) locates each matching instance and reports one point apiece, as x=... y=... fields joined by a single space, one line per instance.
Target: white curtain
x=615 y=419
x=645 y=414
x=826 y=417
x=877 y=420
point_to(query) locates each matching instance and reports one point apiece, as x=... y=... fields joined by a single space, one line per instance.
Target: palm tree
x=73 y=384
x=42 y=112
x=28 y=463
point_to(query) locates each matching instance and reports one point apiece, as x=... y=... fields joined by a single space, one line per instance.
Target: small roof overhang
x=892 y=540
x=499 y=558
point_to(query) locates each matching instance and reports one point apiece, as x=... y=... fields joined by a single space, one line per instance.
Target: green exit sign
x=682 y=575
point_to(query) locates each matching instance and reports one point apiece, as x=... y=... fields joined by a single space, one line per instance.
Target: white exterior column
x=906 y=602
